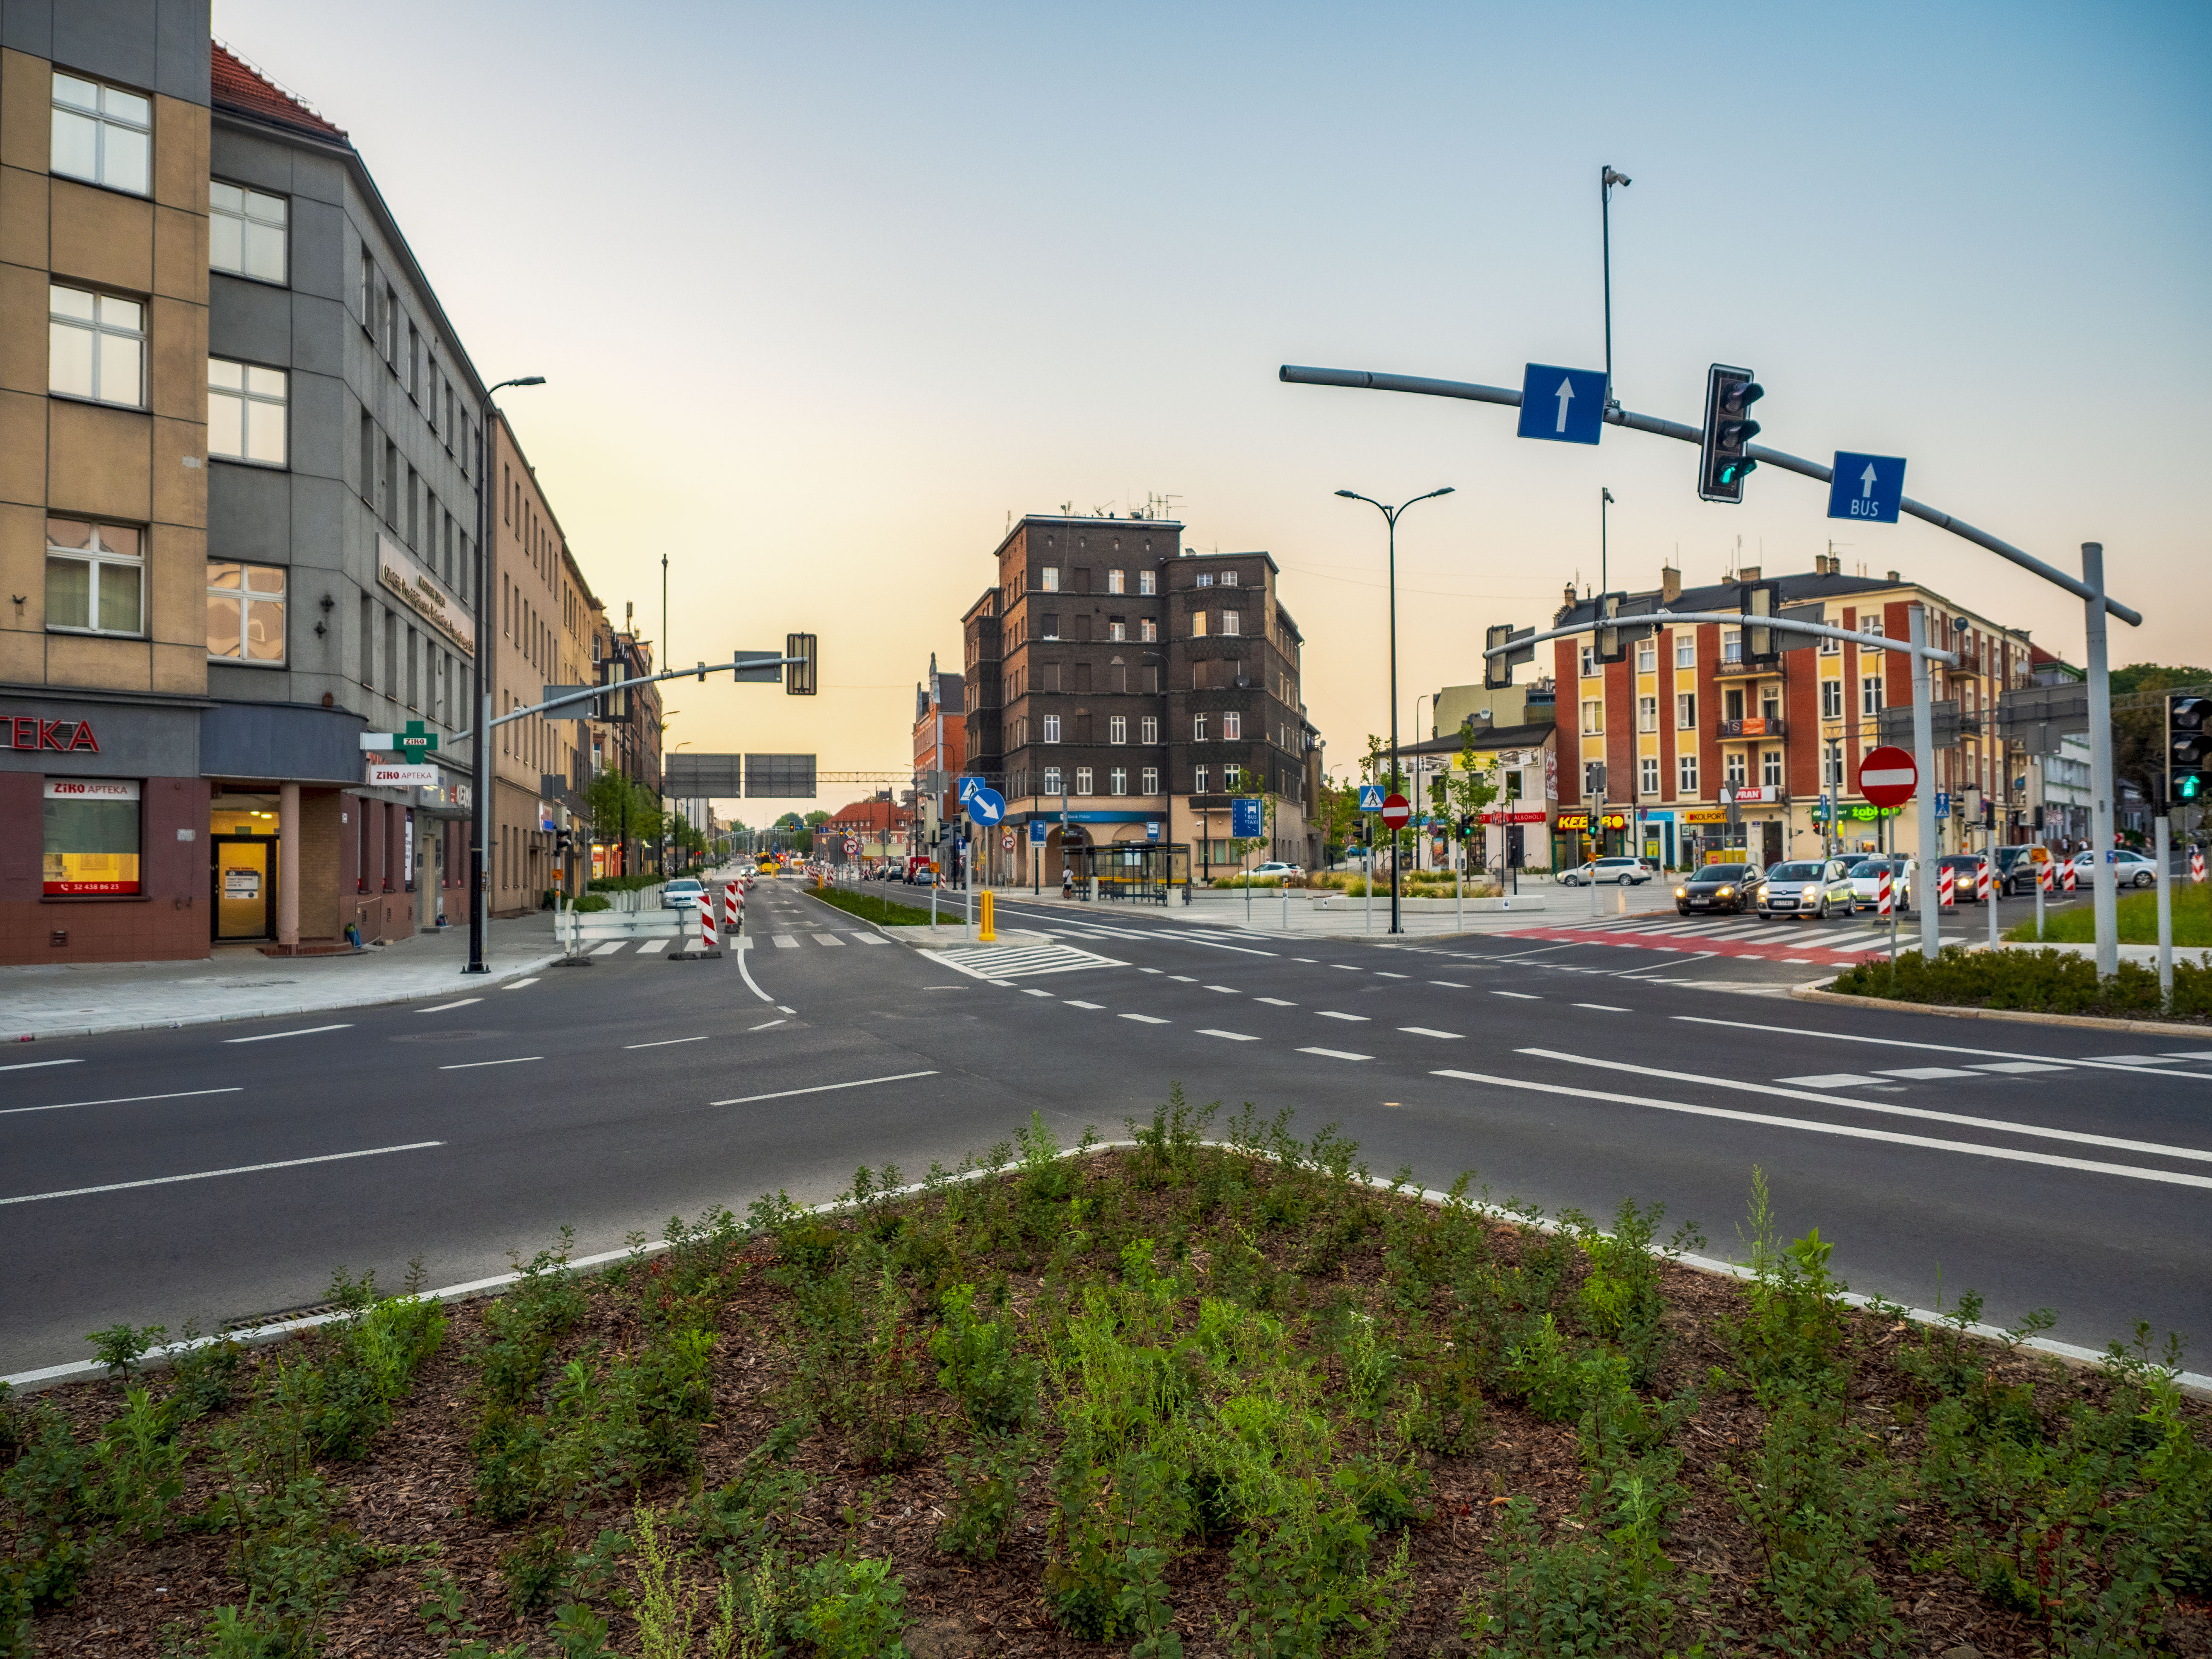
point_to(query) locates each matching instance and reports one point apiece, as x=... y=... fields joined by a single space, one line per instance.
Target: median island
x=884 y=912
x=2033 y=981
x=1188 y=1396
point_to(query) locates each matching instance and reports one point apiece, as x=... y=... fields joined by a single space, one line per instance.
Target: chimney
x=1571 y=593
x=1670 y=584
x=1894 y=577
x=1748 y=574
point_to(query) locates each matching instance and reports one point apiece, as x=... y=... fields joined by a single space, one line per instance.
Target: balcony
x=1759 y=726
x=1725 y=670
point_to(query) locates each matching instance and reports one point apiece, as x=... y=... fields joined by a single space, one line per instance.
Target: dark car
x=1718 y=887
x=1965 y=870
x=2016 y=870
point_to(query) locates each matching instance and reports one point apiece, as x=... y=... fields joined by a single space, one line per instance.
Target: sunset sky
x=824 y=293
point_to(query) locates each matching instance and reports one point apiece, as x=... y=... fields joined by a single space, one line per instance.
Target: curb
x=536 y=965
x=1810 y=991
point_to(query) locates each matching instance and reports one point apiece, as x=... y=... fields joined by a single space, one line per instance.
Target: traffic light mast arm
x=1660 y=618
x=1363 y=379
x=591 y=691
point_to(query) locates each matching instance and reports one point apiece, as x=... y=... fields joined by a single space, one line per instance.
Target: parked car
x=1274 y=867
x=1866 y=884
x=1717 y=887
x=682 y=894
x=2130 y=867
x=1965 y=870
x=1622 y=871
x=1805 y=887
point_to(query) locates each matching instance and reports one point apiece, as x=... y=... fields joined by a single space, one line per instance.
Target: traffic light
x=1497 y=672
x=1611 y=644
x=798 y=679
x=1593 y=779
x=1756 y=600
x=1721 y=463
x=2188 y=749
x=563 y=843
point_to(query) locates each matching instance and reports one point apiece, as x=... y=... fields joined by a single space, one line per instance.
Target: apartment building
x=940 y=731
x=627 y=735
x=1687 y=715
x=1124 y=689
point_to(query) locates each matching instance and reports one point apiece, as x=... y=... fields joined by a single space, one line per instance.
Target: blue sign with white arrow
x=1244 y=817
x=1567 y=405
x=1868 y=487
x=986 y=807
x=1371 y=797
x=1943 y=803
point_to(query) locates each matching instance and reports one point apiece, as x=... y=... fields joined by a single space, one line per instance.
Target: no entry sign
x=1395 y=811
x=1887 y=776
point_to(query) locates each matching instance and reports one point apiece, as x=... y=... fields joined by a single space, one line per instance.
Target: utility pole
x=2104 y=896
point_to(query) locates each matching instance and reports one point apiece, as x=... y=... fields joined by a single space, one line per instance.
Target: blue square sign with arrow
x=1868 y=487
x=1565 y=405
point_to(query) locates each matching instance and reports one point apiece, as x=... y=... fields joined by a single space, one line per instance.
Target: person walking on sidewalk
x=1067 y=882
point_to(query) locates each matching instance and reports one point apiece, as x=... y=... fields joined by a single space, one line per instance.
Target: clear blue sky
x=824 y=291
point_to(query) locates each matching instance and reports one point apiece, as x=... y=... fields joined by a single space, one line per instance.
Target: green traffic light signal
x=2191 y=787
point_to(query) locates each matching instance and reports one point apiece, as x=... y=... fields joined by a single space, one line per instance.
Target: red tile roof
x=237 y=86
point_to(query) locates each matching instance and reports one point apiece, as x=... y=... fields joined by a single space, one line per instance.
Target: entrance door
x=245 y=882
x=1770 y=840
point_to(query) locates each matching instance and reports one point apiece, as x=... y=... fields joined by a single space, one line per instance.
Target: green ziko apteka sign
x=415 y=738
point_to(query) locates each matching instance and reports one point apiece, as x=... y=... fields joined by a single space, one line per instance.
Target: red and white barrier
x=1946 y=887
x=1982 y=882
x=1888 y=896
x=2045 y=874
x=2197 y=864
x=706 y=928
x=732 y=908
x=2072 y=875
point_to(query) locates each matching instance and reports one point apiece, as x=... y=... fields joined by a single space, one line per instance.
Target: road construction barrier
x=1887 y=895
x=1946 y=888
x=706 y=927
x=733 y=906
x=1982 y=879
x=2071 y=875
x=2197 y=864
x=2045 y=874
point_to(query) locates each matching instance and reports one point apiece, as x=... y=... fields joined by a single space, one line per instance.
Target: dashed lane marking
x=1095 y=1007
x=1423 y=1031
x=305 y=1030
x=472 y=1064
x=668 y=1042
x=1330 y=1013
x=210 y=1175
x=1275 y=1002
x=1226 y=990
x=1031 y=991
x=785 y=942
x=1147 y=1019
x=1521 y=996
x=1924 y=1073
x=1604 y=1007
x=444 y=1008
x=33 y=1065
x=823 y=1088
x=773 y=1023
x=1233 y=1036
x=1335 y=1054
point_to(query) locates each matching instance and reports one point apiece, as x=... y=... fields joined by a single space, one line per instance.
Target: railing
x=1757 y=726
x=1725 y=669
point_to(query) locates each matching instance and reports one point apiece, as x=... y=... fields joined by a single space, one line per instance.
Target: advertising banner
x=418 y=585
x=91 y=836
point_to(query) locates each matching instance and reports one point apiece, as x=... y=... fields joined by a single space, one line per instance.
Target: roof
x=235 y=85
x=1485 y=738
x=1723 y=596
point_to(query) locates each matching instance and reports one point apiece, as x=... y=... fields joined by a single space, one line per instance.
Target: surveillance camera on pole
x=1721 y=462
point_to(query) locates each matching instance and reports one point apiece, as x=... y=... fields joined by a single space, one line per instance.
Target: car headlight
x=1681 y=892
x=1727 y=892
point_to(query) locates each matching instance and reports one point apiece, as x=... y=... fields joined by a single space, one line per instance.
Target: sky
x=823 y=293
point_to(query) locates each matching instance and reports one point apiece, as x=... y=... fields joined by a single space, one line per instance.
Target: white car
x=682 y=894
x=1806 y=887
x=1866 y=884
x=1623 y=872
x=2129 y=868
x=1277 y=867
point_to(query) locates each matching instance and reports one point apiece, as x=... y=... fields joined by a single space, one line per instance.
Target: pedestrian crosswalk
x=749 y=941
x=1842 y=940
x=1020 y=961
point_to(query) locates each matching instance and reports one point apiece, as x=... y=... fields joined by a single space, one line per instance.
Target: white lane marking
x=2015 y=1066
x=664 y=1042
x=1902 y=1043
x=1182 y=979
x=2007 y=1154
x=471 y=1065
x=1524 y=996
x=1335 y=1054
x=1151 y=970
x=1308 y=961
x=773 y=1023
x=305 y=1030
x=780 y=1009
x=1095 y=1007
x=1451 y=984
x=823 y=1088
x=1604 y=1007
x=444 y=1006
x=1030 y=991
x=1346 y=966
x=785 y=942
x=827 y=938
x=1924 y=1073
x=745 y=969
x=1148 y=1020
x=872 y=938
x=2131 y=1059
x=1233 y=1036
x=1833 y=1080
x=33 y=1065
x=1423 y=1031
x=1226 y=990
x=210 y=1175
x=122 y=1100
x=516 y=984
x=1275 y=1002
x=609 y=947
x=1384 y=973
x=1999 y=1125
x=1328 y=1013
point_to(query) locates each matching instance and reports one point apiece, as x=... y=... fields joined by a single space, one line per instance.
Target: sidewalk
x=1342 y=917
x=240 y=983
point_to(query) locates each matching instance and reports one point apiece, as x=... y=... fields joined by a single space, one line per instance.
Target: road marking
x=609 y=947
x=1275 y=1002
x=1346 y=966
x=872 y=938
x=773 y=1023
x=1605 y=1007
x=1524 y=996
x=1233 y=1036
x=2007 y=1154
x=1384 y=973
x=1327 y=1014
x=516 y=984
x=824 y=1088
x=1999 y=1125
x=1308 y=961
x=785 y=942
x=210 y=1175
x=1924 y=1073
x=745 y=970
x=1451 y=984
x=471 y=1065
x=1834 y=1080
x=1151 y=970
x=1423 y=1031
x=2131 y=1059
x=1226 y=990
x=33 y=1065
x=827 y=938
x=2017 y=1065
x=1094 y=1006
x=1149 y=1019
x=1335 y=1054
x=120 y=1100
x=445 y=1006
x=305 y=1030
x=1182 y=979
x=1030 y=991
x=668 y=1041
x=1901 y=1043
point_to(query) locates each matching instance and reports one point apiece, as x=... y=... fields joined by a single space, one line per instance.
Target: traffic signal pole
x=2105 y=894
x=1923 y=761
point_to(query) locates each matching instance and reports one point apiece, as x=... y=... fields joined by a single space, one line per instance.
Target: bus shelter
x=1142 y=872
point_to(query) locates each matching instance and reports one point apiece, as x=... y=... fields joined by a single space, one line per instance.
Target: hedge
x=2040 y=981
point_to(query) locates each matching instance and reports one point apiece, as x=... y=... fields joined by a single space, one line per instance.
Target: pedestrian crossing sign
x=1371 y=797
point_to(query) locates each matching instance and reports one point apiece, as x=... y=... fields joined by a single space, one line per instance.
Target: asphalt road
x=217 y=1172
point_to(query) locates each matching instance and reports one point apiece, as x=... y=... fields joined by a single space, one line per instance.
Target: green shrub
x=2039 y=981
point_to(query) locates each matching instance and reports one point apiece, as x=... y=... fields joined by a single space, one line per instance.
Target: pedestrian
x=1067 y=882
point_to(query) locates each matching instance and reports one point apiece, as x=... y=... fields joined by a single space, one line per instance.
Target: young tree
x=1472 y=783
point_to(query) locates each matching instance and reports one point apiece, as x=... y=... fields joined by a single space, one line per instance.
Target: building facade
x=626 y=736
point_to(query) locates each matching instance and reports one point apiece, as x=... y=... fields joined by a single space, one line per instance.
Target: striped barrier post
x=1946 y=889
x=707 y=942
x=2197 y=864
x=2071 y=875
x=732 y=908
x=1982 y=882
x=1887 y=895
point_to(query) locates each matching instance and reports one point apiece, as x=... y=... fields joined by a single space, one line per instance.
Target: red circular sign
x=1887 y=776
x=1395 y=811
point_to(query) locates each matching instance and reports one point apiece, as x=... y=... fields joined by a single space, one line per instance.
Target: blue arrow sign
x=1567 y=405
x=1371 y=797
x=1942 y=804
x=986 y=807
x=970 y=783
x=1244 y=818
x=1868 y=487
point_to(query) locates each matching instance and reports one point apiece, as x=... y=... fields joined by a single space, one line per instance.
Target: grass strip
x=2138 y=915
x=869 y=907
x=2034 y=982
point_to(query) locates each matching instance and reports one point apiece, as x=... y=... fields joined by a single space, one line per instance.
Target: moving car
x=1866 y=884
x=1717 y=887
x=1622 y=871
x=684 y=894
x=1965 y=870
x=2130 y=867
x=1805 y=887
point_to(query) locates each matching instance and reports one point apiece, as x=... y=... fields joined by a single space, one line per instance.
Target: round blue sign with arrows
x=986 y=807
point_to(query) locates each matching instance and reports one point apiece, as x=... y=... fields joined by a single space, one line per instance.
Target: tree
x=816 y=818
x=1472 y=783
x=1339 y=813
x=624 y=812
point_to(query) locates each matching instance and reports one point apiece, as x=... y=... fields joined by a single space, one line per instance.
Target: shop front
x=1574 y=842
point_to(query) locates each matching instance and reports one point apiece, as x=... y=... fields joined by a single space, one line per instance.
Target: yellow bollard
x=987 y=936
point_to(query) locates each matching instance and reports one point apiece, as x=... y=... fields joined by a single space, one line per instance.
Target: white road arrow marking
x=1565 y=395
x=1866 y=481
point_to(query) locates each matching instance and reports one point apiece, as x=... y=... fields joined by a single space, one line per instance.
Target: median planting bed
x=1185 y=1397
x=869 y=907
x=2034 y=982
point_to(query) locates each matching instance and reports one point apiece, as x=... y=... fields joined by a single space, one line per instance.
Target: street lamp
x=480 y=757
x=1390 y=517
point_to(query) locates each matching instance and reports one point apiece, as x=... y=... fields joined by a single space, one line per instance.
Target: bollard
x=1946 y=888
x=988 y=936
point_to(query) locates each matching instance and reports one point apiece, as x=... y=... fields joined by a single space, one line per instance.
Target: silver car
x=1806 y=887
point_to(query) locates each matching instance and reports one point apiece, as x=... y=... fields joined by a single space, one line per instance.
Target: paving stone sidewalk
x=86 y=998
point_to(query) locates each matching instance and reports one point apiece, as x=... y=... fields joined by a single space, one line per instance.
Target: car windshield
x=1869 y=867
x=1722 y=872
x=1795 y=873
x=686 y=885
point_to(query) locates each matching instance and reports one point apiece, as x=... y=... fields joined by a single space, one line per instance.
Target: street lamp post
x=1607 y=179
x=1390 y=517
x=480 y=756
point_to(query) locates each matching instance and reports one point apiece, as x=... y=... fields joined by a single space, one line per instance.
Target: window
x=1198 y=779
x=1198 y=728
x=1116 y=582
x=1870 y=626
x=1647 y=658
x=245 y=611
x=1148 y=729
x=1685 y=711
x=1870 y=695
x=1118 y=781
x=1229 y=579
x=1051 y=623
x=95 y=577
x=1117 y=627
x=1232 y=727
x=91 y=842
x=1592 y=715
x=368 y=292
x=390 y=326
x=1232 y=622
x=1206 y=579
x=246 y=232
x=1732 y=645
x=246 y=412
x=1148 y=582
x=414 y=363
x=1647 y=714
x=1052 y=728
x=1589 y=661
x=1686 y=650
x=1198 y=624
x=1052 y=780
x=1770 y=768
x=1830 y=648
x=1831 y=700
x=96 y=346
x=1832 y=768
x=1648 y=784
x=1233 y=778
x=1117 y=729
x=1733 y=767
x=1151 y=779
x=1148 y=630
x=1050 y=575
x=1686 y=776
x=1082 y=779
x=103 y=134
